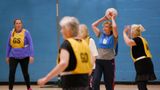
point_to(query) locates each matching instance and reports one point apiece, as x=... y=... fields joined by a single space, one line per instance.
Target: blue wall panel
x=132 y=11
x=39 y=17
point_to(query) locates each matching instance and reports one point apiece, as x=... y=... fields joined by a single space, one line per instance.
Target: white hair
x=72 y=23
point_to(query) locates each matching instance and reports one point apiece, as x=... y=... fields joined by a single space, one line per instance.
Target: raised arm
x=114 y=26
x=127 y=40
x=96 y=23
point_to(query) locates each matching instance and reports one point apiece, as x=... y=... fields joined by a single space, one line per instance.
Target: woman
x=105 y=63
x=83 y=33
x=140 y=54
x=74 y=62
x=19 y=50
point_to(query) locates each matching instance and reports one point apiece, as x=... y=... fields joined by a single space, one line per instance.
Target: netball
x=111 y=11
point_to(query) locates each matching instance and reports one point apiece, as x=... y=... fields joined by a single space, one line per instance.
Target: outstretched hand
x=41 y=82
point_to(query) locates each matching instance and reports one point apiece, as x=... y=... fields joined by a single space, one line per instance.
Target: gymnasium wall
x=39 y=17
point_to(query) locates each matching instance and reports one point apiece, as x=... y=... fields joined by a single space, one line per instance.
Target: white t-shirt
x=93 y=49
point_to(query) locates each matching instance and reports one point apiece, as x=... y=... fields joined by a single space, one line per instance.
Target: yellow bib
x=83 y=57
x=146 y=49
x=17 y=39
x=82 y=53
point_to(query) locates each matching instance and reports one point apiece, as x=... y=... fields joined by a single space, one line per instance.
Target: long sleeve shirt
x=21 y=53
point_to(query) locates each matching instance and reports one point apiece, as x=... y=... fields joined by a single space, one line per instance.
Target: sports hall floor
x=117 y=87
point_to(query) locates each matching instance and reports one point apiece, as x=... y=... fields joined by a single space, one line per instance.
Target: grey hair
x=72 y=23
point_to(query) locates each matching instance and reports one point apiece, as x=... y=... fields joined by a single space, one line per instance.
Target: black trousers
x=12 y=70
x=107 y=68
x=142 y=85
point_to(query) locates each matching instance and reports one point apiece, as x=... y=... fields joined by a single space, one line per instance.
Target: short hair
x=110 y=24
x=72 y=23
x=107 y=22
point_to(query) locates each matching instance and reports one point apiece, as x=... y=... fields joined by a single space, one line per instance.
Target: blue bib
x=106 y=41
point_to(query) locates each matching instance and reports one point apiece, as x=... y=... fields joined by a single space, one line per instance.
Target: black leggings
x=12 y=69
x=142 y=85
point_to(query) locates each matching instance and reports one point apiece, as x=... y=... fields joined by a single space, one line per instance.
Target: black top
x=138 y=50
x=72 y=58
x=76 y=80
